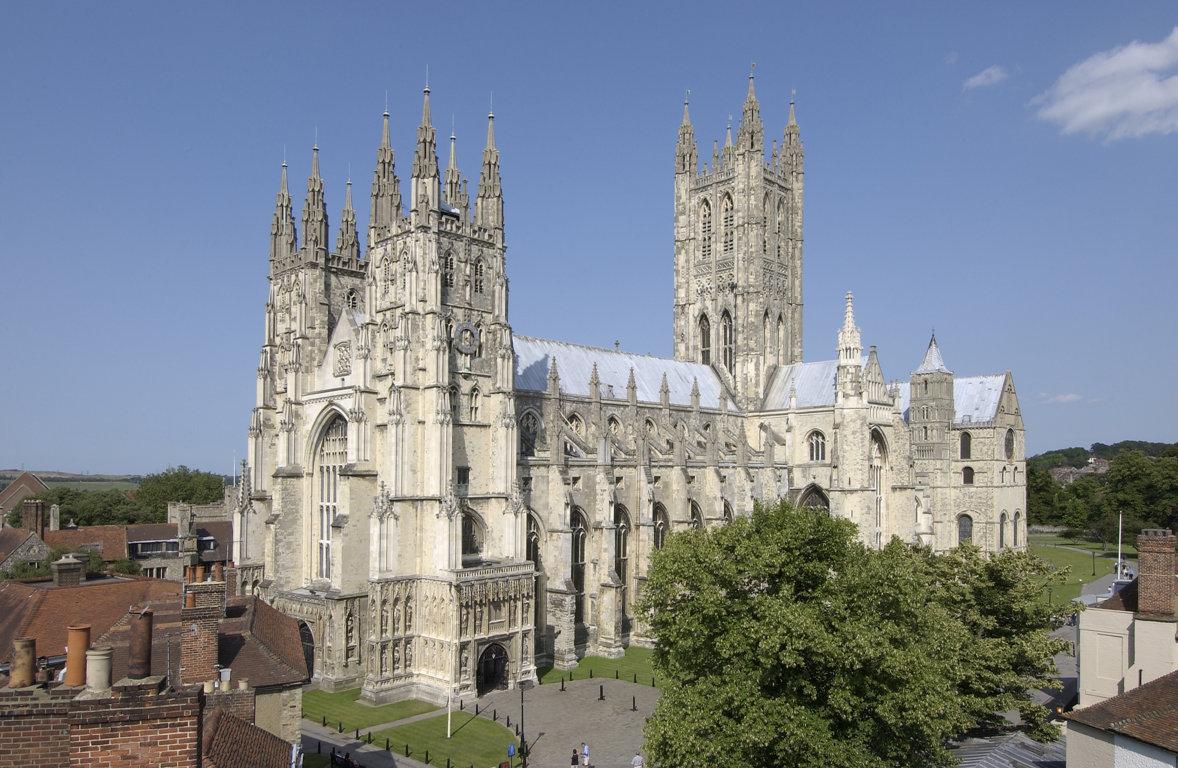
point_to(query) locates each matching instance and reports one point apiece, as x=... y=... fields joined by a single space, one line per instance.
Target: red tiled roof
x=110 y=541
x=25 y=484
x=1148 y=713
x=230 y=742
x=10 y=539
x=44 y=612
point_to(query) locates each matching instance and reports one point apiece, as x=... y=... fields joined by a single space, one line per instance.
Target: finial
x=452 y=137
x=316 y=146
x=348 y=190
x=427 y=78
x=793 y=94
x=386 y=102
x=687 y=95
x=491 y=108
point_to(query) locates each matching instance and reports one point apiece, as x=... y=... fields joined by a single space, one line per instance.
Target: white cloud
x=1066 y=397
x=988 y=77
x=951 y=58
x=1121 y=93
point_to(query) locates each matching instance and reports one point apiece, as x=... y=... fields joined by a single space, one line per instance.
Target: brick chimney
x=200 y=617
x=32 y=516
x=67 y=572
x=231 y=579
x=1155 y=566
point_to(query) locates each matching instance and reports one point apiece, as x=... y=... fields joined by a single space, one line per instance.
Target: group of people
x=581 y=758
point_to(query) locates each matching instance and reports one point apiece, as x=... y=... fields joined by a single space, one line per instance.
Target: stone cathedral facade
x=448 y=506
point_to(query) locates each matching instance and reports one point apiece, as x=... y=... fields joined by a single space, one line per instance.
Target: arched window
x=766 y=338
x=705 y=340
x=964 y=529
x=817 y=444
x=351 y=299
x=661 y=525
x=966 y=442
x=448 y=269
x=781 y=339
x=650 y=427
x=925 y=433
x=1002 y=530
x=780 y=229
x=814 y=498
x=727 y=512
x=576 y=425
x=1018 y=520
x=478 y=276
x=332 y=454
x=453 y=403
x=705 y=230
x=728 y=340
x=924 y=410
x=926 y=391
x=536 y=556
x=534 y=541
x=697 y=517
x=729 y=225
x=472 y=538
x=1009 y=445
x=615 y=427
x=580 y=531
x=967 y=475
x=621 y=542
x=529 y=429
x=475 y=403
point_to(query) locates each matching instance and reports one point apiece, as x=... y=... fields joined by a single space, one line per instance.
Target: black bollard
x=494 y=715
x=447 y=762
x=461 y=705
x=509 y=721
x=325 y=721
x=517 y=729
x=370 y=737
x=635 y=678
x=406 y=750
x=652 y=685
x=386 y=743
x=633 y=703
x=562 y=683
x=357 y=734
x=427 y=757
x=476 y=707
x=601 y=693
x=590 y=673
x=616 y=675
x=340 y=726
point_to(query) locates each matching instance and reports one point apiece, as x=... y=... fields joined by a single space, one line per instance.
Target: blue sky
x=968 y=168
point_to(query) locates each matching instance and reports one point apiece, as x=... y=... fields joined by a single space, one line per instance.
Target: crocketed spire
x=751 y=137
x=686 y=157
x=489 y=204
x=454 y=187
x=282 y=229
x=314 y=211
x=347 y=244
x=850 y=347
x=386 y=188
x=425 y=157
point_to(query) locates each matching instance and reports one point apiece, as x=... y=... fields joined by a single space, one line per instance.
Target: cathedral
x=447 y=506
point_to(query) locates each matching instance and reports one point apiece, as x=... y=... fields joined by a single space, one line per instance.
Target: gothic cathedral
x=447 y=506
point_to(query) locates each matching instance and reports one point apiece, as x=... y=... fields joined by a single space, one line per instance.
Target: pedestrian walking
x=576 y=760
x=585 y=754
x=638 y=762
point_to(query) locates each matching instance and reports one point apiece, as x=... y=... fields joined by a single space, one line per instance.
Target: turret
x=314 y=214
x=850 y=353
x=386 y=188
x=751 y=138
x=489 y=205
x=347 y=244
x=282 y=229
x=930 y=411
x=454 y=186
x=686 y=156
x=425 y=163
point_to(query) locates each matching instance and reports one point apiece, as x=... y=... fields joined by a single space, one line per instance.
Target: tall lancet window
x=478 y=276
x=622 y=552
x=705 y=231
x=448 y=270
x=333 y=454
x=780 y=225
x=765 y=226
x=475 y=404
x=580 y=531
x=728 y=341
x=729 y=225
x=705 y=340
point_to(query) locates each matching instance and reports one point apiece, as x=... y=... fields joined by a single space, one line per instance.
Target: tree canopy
x=784 y=641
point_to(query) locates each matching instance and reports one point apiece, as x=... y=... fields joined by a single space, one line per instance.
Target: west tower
x=738 y=252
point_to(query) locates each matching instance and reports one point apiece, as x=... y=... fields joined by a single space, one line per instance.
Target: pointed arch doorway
x=492 y=669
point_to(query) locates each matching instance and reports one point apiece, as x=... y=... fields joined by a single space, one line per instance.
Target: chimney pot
x=243 y=684
x=24 y=662
x=218 y=572
x=189 y=599
x=98 y=669
x=139 y=663
x=200 y=573
x=78 y=642
x=208 y=686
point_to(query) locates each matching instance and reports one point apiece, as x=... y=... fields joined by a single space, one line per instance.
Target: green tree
x=178 y=484
x=1043 y=497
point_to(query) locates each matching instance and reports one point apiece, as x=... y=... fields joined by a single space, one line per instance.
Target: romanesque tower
x=738 y=253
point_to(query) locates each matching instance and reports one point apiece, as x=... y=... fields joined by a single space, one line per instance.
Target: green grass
x=316 y=761
x=1080 y=563
x=474 y=741
x=1108 y=549
x=637 y=661
x=344 y=707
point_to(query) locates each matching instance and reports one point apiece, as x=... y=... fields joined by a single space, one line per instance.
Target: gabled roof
x=975 y=398
x=109 y=541
x=10 y=539
x=230 y=742
x=43 y=611
x=574 y=364
x=1148 y=713
x=813 y=383
x=24 y=484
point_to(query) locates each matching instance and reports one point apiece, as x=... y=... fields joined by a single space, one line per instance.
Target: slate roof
x=1148 y=713
x=975 y=398
x=222 y=532
x=43 y=612
x=110 y=541
x=230 y=742
x=1010 y=751
x=814 y=383
x=574 y=364
x=932 y=362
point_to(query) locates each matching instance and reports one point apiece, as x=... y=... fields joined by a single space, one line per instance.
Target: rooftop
x=1148 y=714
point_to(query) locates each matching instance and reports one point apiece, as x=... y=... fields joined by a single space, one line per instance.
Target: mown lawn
x=1108 y=549
x=316 y=761
x=1080 y=565
x=475 y=741
x=344 y=707
x=637 y=661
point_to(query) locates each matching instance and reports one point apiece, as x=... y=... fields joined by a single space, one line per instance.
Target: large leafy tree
x=784 y=641
x=177 y=484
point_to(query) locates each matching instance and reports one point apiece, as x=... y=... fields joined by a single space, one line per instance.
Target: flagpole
x=1120 y=527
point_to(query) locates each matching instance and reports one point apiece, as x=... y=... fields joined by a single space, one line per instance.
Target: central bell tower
x=738 y=252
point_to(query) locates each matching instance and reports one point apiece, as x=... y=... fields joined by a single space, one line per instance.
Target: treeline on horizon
x=148 y=503
x=1141 y=483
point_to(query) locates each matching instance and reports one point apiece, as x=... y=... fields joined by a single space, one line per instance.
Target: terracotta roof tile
x=1148 y=713
x=25 y=484
x=10 y=539
x=110 y=541
x=230 y=742
x=43 y=612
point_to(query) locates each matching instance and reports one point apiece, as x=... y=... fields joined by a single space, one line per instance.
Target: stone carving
x=343 y=358
x=382 y=504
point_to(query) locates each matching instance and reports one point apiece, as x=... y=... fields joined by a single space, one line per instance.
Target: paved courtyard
x=557 y=722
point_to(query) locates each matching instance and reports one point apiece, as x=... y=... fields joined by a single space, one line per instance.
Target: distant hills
x=1078 y=457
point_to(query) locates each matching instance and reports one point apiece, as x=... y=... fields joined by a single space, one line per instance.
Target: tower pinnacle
x=488 y=210
x=385 y=206
x=850 y=347
x=686 y=157
x=347 y=244
x=314 y=212
x=282 y=229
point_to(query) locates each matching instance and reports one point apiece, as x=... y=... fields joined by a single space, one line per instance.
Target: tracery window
x=448 y=269
x=478 y=276
x=705 y=230
x=817 y=445
x=705 y=340
x=332 y=454
x=576 y=425
x=964 y=529
x=729 y=224
x=966 y=441
x=661 y=525
x=529 y=428
x=351 y=299
x=697 y=517
x=580 y=530
x=615 y=427
x=780 y=345
x=472 y=538
x=727 y=512
x=621 y=543
x=475 y=403
x=453 y=403
x=728 y=341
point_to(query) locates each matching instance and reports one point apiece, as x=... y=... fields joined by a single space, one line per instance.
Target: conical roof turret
x=932 y=362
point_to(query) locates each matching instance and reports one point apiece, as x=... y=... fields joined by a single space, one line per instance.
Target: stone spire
x=282 y=229
x=728 y=141
x=386 y=188
x=425 y=157
x=347 y=244
x=454 y=187
x=686 y=157
x=791 y=145
x=314 y=211
x=751 y=137
x=850 y=348
x=489 y=205
x=933 y=362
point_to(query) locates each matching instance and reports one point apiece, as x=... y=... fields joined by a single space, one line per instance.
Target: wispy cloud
x=988 y=77
x=1121 y=93
x=1064 y=397
x=951 y=58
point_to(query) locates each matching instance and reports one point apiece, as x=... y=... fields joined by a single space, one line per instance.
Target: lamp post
x=523 y=734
